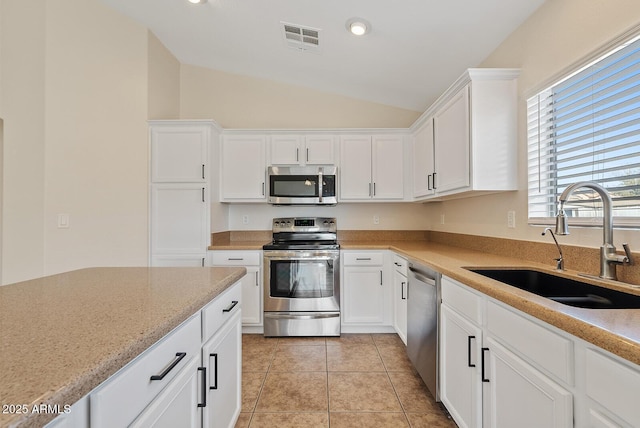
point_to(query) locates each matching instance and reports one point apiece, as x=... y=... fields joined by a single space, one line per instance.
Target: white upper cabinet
x=179 y=151
x=243 y=168
x=452 y=144
x=371 y=168
x=422 y=158
x=473 y=138
x=302 y=150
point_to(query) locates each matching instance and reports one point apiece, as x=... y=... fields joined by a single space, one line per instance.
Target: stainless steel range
x=302 y=278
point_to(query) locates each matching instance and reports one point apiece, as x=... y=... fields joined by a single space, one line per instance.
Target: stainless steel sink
x=563 y=290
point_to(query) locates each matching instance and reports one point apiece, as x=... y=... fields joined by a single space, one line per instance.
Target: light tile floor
x=357 y=380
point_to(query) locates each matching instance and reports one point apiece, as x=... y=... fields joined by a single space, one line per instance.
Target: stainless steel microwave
x=302 y=185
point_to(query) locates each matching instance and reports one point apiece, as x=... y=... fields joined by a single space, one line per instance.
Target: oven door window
x=301 y=279
x=294 y=186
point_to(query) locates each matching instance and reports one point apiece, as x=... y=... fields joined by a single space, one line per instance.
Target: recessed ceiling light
x=358 y=26
x=197 y=1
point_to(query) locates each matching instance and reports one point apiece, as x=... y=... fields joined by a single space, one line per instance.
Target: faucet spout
x=608 y=257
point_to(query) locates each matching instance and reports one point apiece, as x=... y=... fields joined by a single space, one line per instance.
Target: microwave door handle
x=320 y=186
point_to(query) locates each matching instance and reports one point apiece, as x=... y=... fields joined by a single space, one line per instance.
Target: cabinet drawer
x=613 y=384
x=119 y=400
x=460 y=298
x=235 y=258
x=363 y=259
x=532 y=341
x=400 y=264
x=220 y=310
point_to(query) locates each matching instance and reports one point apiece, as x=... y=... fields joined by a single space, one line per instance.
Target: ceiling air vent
x=301 y=38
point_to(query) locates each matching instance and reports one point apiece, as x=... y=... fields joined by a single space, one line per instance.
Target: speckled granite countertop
x=62 y=335
x=616 y=330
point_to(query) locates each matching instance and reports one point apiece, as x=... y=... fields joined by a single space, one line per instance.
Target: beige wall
x=74 y=86
x=560 y=33
x=23 y=111
x=236 y=101
x=164 y=81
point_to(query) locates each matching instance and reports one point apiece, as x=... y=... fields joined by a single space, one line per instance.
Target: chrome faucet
x=559 y=260
x=608 y=257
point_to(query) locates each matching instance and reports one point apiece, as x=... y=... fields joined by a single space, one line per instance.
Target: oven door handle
x=320 y=187
x=288 y=316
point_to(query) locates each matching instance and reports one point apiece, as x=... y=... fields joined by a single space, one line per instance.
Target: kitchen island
x=63 y=335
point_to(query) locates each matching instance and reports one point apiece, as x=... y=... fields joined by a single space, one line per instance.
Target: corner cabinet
x=179 y=191
x=371 y=168
x=243 y=168
x=466 y=142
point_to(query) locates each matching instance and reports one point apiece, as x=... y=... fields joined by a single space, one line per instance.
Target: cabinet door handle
x=263 y=188
x=203 y=262
x=429 y=187
x=484 y=379
x=257 y=285
x=176 y=360
x=469 y=338
x=203 y=194
x=297 y=151
x=203 y=171
x=374 y=189
x=434 y=181
x=307 y=154
x=380 y=277
x=203 y=370
x=402 y=285
x=369 y=189
x=230 y=308
x=215 y=371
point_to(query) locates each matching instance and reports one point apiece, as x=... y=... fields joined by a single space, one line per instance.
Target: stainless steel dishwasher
x=423 y=309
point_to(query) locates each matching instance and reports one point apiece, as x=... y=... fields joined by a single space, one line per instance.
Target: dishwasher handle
x=422 y=276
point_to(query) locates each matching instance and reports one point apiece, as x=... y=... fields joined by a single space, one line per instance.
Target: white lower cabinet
x=179 y=381
x=367 y=304
x=518 y=395
x=252 y=292
x=400 y=289
x=486 y=379
x=221 y=357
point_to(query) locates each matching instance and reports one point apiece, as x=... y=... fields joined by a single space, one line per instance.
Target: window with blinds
x=587 y=128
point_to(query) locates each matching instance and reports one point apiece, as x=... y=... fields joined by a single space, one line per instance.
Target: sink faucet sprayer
x=608 y=257
x=559 y=260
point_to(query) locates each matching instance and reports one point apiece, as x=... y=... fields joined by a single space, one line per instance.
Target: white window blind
x=587 y=128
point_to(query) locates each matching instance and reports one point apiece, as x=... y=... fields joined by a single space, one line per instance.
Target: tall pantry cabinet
x=179 y=191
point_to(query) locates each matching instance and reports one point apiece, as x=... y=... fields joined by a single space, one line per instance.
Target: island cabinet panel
x=120 y=399
x=190 y=377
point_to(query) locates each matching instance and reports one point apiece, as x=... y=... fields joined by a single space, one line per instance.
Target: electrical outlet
x=245 y=219
x=63 y=221
x=511 y=219
x=441 y=218
x=376 y=219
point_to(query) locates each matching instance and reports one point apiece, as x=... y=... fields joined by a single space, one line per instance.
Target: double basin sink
x=563 y=290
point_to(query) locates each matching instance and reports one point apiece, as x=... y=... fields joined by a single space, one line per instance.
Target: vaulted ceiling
x=414 y=50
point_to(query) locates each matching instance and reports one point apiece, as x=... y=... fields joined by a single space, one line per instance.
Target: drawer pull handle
x=215 y=371
x=176 y=360
x=230 y=308
x=363 y=258
x=484 y=379
x=204 y=386
x=469 y=339
x=235 y=258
